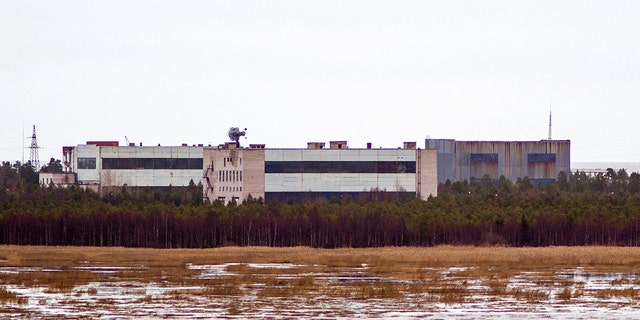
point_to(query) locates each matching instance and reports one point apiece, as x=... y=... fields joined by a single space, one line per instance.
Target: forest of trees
x=576 y=210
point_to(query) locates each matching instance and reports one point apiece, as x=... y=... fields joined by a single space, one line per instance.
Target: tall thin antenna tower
x=550 y=138
x=35 y=160
x=23 y=138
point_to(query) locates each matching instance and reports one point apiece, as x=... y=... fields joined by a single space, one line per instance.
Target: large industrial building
x=229 y=172
x=99 y=164
x=232 y=173
x=540 y=161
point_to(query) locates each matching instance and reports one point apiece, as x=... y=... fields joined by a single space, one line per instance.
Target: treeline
x=576 y=210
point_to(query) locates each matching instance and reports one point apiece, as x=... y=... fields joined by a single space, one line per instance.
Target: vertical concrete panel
x=253 y=179
x=350 y=155
x=292 y=155
x=426 y=173
x=88 y=176
x=512 y=159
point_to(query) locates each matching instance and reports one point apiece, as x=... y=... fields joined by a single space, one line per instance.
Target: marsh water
x=285 y=290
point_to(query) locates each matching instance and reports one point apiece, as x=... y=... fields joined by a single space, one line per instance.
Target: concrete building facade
x=540 y=161
x=57 y=179
x=232 y=173
x=101 y=164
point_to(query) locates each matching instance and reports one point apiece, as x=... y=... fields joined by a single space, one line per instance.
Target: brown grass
x=619 y=293
x=565 y=294
x=496 y=287
x=55 y=281
x=611 y=258
x=532 y=296
x=10 y=297
x=397 y=272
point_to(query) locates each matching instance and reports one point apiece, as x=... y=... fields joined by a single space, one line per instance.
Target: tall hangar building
x=232 y=173
x=100 y=164
x=540 y=161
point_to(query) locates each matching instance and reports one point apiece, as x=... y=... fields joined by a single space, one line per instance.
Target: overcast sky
x=173 y=72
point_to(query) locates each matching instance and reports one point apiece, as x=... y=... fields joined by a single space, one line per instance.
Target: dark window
x=152 y=163
x=195 y=164
x=139 y=163
x=387 y=167
x=171 y=163
x=313 y=167
x=330 y=166
x=182 y=164
x=273 y=167
x=108 y=163
x=149 y=163
x=410 y=166
x=86 y=163
x=541 y=157
x=340 y=167
x=484 y=157
x=160 y=163
x=292 y=167
x=125 y=163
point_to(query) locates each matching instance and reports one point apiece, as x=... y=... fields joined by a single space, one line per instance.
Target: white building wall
x=150 y=177
x=136 y=177
x=87 y=176
x=339 y=182
x=257 y=182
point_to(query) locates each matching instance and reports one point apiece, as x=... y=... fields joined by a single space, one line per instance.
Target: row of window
x=152 y=163
x=493 y=157
x=230 y=175
x=340 y=167
x=230 y=160
x=229 y=189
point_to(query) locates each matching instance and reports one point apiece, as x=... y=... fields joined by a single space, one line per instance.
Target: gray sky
x=173 y=72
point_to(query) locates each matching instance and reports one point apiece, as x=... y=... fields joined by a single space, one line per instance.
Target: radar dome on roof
x=235 y=134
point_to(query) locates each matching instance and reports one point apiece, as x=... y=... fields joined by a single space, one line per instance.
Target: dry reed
x=7 y=296
x=433 y=274
x=610 y=258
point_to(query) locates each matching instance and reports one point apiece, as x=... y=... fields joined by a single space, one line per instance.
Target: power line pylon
x=33 y=157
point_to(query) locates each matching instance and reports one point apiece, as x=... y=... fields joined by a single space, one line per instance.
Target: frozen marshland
x=341 y=287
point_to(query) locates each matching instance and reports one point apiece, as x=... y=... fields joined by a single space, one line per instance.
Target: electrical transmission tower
x=33 y=157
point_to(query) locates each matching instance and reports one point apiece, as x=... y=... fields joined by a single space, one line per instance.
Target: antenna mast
x=550 y=123
x=23 y=137
x=35 y=160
